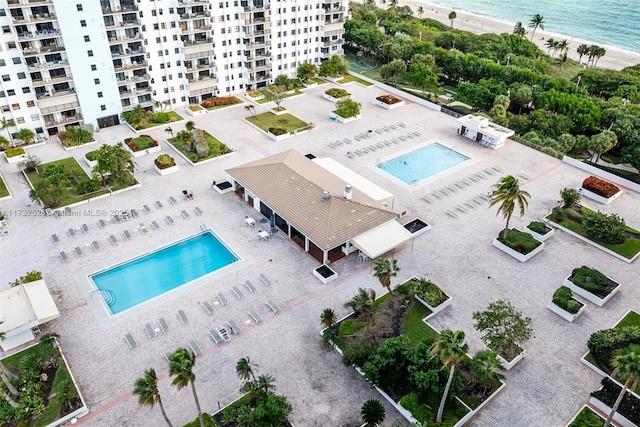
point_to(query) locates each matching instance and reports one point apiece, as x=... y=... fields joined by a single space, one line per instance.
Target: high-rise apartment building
x=69 y=62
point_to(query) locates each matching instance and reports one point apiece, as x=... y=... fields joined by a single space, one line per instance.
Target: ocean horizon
x=603 y=22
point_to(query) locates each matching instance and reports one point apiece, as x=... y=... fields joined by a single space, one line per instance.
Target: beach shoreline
x=616 y=57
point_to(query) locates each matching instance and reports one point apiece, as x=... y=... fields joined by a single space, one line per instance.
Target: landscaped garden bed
x=142 y=145
x=388 y=102
x=539 y=230
x=518 y=244
x=196 y=110
x=140 y=119
x=627 y=414
x=220 y=102
x=600 y=190
x=91 y=158
x=430 y=295
x=15 y=155
x=48 y=393
x=164 y=164
x=335 y=94
x=410 y=375
x=606 y=232
x=592 y=285
x=586 y=418
x=347 y=110
x=288 y=123
x=197 y=146
x=73 y=136
x=353 y=79
x=254 y=95
x=4 y=190
x=564 y=305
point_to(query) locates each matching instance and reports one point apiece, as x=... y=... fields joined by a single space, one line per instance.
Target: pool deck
x=547 y=388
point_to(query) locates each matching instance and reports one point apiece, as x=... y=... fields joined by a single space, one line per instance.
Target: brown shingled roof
x=292 y=185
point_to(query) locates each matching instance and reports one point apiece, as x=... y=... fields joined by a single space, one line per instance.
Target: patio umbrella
x=272 y=221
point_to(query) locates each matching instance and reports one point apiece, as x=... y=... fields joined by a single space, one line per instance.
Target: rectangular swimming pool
x=153 y=274
x=423 y=163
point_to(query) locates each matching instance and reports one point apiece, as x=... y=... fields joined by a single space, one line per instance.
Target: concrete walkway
x=547 y=388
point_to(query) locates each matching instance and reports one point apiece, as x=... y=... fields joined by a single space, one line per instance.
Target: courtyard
x=547 y=388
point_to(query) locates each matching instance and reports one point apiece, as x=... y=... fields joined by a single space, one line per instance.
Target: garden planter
x=333 y=79
x=309 y=85
x=515 y=254
x=279 y=112
x=166 y=171
x=91 y=163
x=598 y=198
x=15 y=159
x=331 y=98
x=437 y=308
x=198 y=112
x=569 y=317
x=604 y=408
x=588 y=295
x=279 y=137
x=392 y=102
x=507 y=365
x=254 y=98
x=325 y=273
x=143 y=153
x=537 y=236
x=334 y=116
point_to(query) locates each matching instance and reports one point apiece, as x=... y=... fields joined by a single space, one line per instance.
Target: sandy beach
x=615 y=58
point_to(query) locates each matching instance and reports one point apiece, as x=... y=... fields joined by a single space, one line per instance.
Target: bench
x=273 y=306
x=255 y=316
x=249 y=286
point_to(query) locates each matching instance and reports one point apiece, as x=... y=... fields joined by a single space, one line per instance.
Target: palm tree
x=452 y=16
x=5 y=374
x=451 y=349
x=26 y=135
x=551 y=44
x=265 y=383
x=181 y=364
x=328 y=318
x=7 y=125
x=627 y=367
x=537 y=21
x=384 y=270
x=190 y=125
x=246 y=369
x=563 y=46
x=519 y=30
x=420 y=11
x=372 y=412
x=362 y=302
x=146 y=388
x=486 y=369
x=393 y=6
x=169 y=130
x=582 y=50
x=507 y=192
x=251 y=109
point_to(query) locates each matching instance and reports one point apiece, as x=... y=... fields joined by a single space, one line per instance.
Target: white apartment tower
x=69 y=62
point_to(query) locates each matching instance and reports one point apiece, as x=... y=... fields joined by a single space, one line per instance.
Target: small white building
x=484 y=132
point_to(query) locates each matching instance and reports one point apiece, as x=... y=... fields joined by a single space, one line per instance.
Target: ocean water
x=605 y=22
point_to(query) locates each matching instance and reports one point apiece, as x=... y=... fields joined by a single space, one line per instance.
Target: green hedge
x=563 y=298
x=592 y=280
x=604 y=344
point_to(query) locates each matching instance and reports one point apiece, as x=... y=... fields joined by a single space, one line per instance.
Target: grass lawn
x=216 y=148
x=286 y=121
x=142 y=142
x=288 y=95
x=349 y=78
x=628 y=249
x=4 y=191
x=319 y=81
x=587 y=418
x=78 y=174
x=173 y=117
x=426 y=411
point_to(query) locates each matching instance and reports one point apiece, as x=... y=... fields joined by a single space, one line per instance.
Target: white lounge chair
x=164 y=326
x=63 y=256
x=131 y=341
x=195 y=347
x=151 y=332
x=265 y=280
x=207 y=307
x=55 y=239
x=183 y=317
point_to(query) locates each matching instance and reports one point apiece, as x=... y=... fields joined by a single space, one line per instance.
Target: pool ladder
x=108 y=296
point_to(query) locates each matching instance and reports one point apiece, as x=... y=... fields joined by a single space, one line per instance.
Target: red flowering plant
x=600 y=187
x=388 y=99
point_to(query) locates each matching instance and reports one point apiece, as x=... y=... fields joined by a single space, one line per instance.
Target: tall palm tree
x=537 y=21
x=563 y=46
x=372 y=412
x=486 y=369
x=190 y=125
x=7 y=125
x=5 y=374
x=181 y=364
x=627 y=367
x=169 y=130
x=266 y=384
x=551 y=44
x=146 y=388
x=328 y=318
x=362 y=302
x=452 y=16
x=519 y=30
x=451 y=349
x=507 y=193
x=246 y=369
x=250 y=108
x=582 y=50
x=420 y=11
x=384 y=270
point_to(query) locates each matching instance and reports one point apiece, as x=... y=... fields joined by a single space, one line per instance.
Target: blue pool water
x=423 y=163
x=156 y=273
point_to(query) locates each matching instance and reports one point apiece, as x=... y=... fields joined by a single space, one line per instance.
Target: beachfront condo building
x=71 y=62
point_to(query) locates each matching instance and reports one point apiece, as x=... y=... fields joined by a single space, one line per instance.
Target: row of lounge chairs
x=64 y=257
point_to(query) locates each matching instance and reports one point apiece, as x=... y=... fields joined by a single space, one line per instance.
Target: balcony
x=42 y=50
x=39 y=66
x=332 y=42
x=110 y=11
x=127 y=52
x=115 y=40
x=133 y=79
x=131 y=66
x=197 y=42
x=49 y=81
x=43 y=17
x=46 y=34
x=330 y=10
x=64 y=121
x=195 y=15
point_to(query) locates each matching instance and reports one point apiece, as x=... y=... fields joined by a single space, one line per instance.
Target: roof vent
x=325 y=195
x=347 y=192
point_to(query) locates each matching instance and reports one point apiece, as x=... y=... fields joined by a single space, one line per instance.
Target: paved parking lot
x=547 y=388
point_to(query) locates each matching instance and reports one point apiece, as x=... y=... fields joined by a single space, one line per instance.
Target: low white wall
x=602 y=173
x=398 y=92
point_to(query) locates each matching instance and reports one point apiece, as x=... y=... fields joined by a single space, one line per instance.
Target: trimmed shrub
x=592 y=280
x=430 y=293
x=538 y=227
x=12 y=152
x=193 y=157
x=604 y=344
x=164 y=161
x=278 y=131
x=160 y=117
x=604 y=228
x=221 y=100
x=570 y=197
x=336 y=92
x=563 y=298
x=87 y=186
x=629 y=405
x=600 y=187
x=519 y=241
